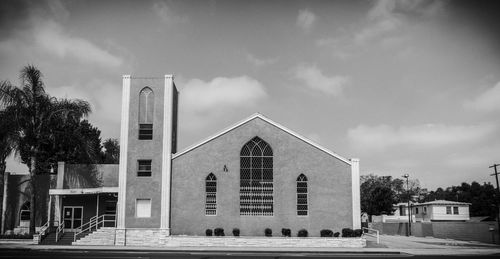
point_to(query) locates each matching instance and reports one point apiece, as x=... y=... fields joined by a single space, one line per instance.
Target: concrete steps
x=103 y=236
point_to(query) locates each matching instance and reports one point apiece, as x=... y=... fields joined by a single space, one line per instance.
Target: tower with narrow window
x=148 y=140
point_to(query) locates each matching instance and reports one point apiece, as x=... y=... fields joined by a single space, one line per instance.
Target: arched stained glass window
x=302 y=202
x=256 y=178
x=211 y=195
x=146 y=113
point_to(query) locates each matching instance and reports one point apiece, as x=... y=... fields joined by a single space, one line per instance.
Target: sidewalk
x=388 y=245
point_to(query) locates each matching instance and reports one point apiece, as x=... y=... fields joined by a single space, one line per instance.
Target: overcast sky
x=407 y=86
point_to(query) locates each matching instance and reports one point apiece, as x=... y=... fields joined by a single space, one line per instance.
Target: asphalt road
x=84 y=254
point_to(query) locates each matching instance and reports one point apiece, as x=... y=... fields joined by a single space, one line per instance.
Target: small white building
x=440 y=210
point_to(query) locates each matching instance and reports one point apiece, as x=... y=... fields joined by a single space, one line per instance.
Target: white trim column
x=122 y=175
x=166 y=168
x=356 y=197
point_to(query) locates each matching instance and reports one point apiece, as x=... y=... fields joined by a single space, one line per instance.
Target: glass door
x=73 y=217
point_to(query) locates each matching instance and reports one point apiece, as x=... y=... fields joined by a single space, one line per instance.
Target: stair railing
x=95 y=222
x=41 y=233
x=59 y=231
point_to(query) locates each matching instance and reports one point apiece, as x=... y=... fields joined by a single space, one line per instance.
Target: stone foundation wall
x=160 y=238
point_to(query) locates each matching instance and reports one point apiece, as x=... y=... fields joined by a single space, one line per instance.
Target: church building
x=253 y=175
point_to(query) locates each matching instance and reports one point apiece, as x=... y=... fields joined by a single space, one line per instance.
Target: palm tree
x=33 y=112
x=7 y=146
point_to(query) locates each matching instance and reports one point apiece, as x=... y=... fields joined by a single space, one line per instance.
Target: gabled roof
x=262 y=117
x=444 y=202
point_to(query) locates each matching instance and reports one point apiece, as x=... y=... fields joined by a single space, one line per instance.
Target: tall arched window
x=256 y=178
x=302 y=202
x=211 y=195
x=146 y=113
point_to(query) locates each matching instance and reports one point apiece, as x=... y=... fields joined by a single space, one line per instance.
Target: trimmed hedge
x=358 y=232
x=347 y=232
x=326 y=233
x=286 y=232
x=302 y=233
x=219 y=232
x=236 y=232
x=268 y=232
x=208 y=232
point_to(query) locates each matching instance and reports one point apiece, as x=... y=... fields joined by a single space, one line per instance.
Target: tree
x=377 y=196
x=7 y=146
x=111 y=153
x=34 y=112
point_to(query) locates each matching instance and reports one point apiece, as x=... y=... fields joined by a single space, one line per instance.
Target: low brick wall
x=159 y=238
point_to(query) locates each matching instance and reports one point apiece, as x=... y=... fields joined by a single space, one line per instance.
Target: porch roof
x=78 y=191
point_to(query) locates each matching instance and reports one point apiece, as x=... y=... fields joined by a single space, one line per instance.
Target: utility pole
x=498 y=196
x=408 y=233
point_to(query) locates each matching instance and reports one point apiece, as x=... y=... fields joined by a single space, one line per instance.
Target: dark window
x=416 y=210
x=25 y=211
x=455 y=210
x=256 y=178
x=143 y=168
x=211 y=195
x=302 y=202
x=146 y=113
x=145 y=131
x=448 y=209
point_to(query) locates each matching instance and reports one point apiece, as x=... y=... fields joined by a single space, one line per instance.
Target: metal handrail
x=94 y=222
x=59 y=229
x=377 y=235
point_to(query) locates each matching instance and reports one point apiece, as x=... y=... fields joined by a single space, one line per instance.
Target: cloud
x=167 y=15
x=419 y=136
x=221 y=92
x=51 y=37
x=388 y=16
x=316 y=80
x=306 y=19
x=258 y=62
x=488 y=101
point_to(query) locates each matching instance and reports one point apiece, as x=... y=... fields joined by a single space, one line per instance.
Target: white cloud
x=221 y=92
x=419 y=136
x=488 y=101
x=51 y=37
x=259 y=62
x=306 y=19
x=167 y=15
x=316 y=80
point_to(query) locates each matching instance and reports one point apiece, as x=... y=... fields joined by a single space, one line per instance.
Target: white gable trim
x=258 y=115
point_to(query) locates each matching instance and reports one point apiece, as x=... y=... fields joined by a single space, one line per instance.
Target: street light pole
x=498 y=196
x=407 y=176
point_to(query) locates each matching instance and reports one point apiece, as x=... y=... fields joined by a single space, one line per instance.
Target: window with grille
x=256 y=178
x=302 y=202
x=143 y=168
x=448 y=209
x=211 y=195
x=146 y=113
x=455 y=210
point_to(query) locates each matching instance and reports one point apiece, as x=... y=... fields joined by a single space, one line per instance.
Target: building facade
x=255 y=174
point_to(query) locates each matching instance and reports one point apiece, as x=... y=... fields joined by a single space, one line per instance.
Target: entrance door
x=73 y=217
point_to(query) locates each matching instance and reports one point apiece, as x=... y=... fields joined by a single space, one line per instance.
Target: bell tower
x=148 y=140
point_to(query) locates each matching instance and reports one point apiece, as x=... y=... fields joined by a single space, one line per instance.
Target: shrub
x=208 y=232
x=358 y=232
x=326 y=233
x=286 y=232
x=219 y=232
x=336 y=234
x=268 y=232
x=16 y=236
x=347 y=232
x=302 y=233
x=236 y=232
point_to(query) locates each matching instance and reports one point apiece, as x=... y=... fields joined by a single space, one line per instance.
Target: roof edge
x=264 y=118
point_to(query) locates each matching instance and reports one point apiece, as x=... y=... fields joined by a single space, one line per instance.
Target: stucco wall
x=144 y=187
x=329 y=185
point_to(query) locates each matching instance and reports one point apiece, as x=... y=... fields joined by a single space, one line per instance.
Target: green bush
x=336 y=234
x=286 y=232
x=268 y=232
x=347 y=232
x=16 y=236
x=358 y=232
x=208 y=232
x=236 y=232
x=302 y=233
x=326 y=233
x=219 y=232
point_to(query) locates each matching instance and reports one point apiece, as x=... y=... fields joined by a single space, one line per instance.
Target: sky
x=405 y=86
